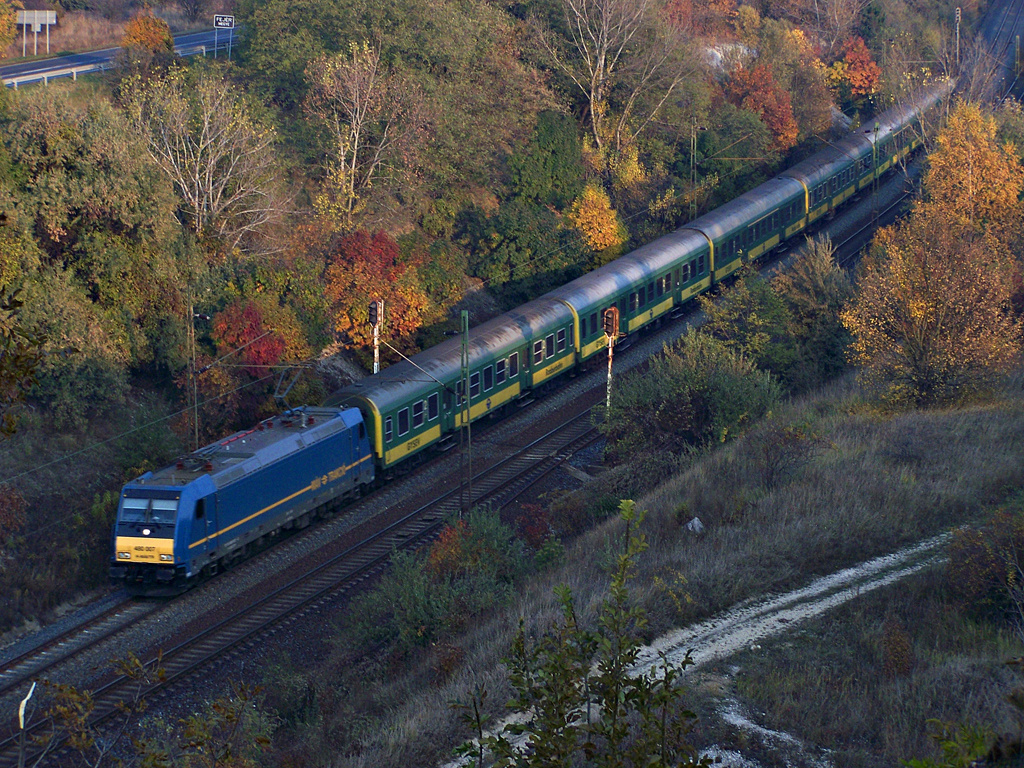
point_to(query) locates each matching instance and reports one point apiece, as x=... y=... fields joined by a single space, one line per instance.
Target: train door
x=206 y=515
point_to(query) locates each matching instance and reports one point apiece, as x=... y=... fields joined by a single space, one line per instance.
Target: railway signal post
x=610 y=324
x=376 y=312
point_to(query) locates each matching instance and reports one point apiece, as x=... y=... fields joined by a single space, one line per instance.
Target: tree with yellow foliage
x=8 y=23
x=975 y=180
x=594 y=218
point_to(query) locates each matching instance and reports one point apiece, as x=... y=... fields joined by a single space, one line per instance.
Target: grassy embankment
x=862 y=483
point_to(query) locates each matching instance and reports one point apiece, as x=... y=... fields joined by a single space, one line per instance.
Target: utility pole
x=693 y=167
x=192 y=317
x=610 y=324
x=958 y=38
x=376 y=316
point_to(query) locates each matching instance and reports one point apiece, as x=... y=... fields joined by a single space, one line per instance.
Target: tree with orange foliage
x=148 y=32
x=594 y=218
x=367 y=267
x=931 y=320
x=756 y=90
x=862 y=73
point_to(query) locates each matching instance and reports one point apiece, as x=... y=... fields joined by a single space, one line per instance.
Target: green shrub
x=696 y=393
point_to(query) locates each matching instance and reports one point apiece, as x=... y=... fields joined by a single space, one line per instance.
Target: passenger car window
x=417 y=414
x=488 y=378
x=432 y=409
x=403 y=421
x=549 y=345
x=389 y=430
x=538 y=352
x=593 y=323
x=474 y=385
x=561 y=340
x=513 y=365
x=499 y=371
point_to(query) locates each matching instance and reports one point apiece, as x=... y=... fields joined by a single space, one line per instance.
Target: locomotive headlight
x=166 y=557
x=124 y=555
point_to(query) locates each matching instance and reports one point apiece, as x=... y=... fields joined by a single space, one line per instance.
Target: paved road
x=75 y=64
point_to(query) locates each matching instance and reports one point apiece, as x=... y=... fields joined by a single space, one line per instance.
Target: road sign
x=224 y=22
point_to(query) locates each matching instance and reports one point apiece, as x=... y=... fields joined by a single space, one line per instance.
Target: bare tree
x=206 y=138
x=375 y=121
x=620 y=44
x=192 y=8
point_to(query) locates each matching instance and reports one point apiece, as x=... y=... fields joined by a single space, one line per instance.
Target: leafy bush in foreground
x=697 y=392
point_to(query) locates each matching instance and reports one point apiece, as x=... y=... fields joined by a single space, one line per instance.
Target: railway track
x=35 y=663
x=497 y=485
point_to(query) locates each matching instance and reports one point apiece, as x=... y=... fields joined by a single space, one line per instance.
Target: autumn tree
x=701 y=18
x=830 y=21
x=931 y=321
x=12 y=513
x=862 y=73
x=148 y=32
x=206 y=136
x=259 y=333
x=374 y=120
x=974 y=179
x=594 y=218
x=794 y=64
x=8 y=23
x=366 y=267
x=755 y=90
x=192 y=9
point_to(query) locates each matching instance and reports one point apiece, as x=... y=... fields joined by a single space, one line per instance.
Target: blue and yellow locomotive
x=209 y=508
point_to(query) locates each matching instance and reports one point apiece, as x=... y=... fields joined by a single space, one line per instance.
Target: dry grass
x=853 y=700
x=872 y=483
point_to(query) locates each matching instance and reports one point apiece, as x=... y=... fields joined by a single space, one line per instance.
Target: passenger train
x=209 y=508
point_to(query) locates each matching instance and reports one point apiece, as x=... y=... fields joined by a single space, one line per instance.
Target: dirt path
x=753 y=621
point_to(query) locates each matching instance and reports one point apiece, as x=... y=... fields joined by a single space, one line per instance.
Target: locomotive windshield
x=134 y=510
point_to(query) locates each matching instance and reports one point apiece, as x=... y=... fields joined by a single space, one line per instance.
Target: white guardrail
x=86 y=69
